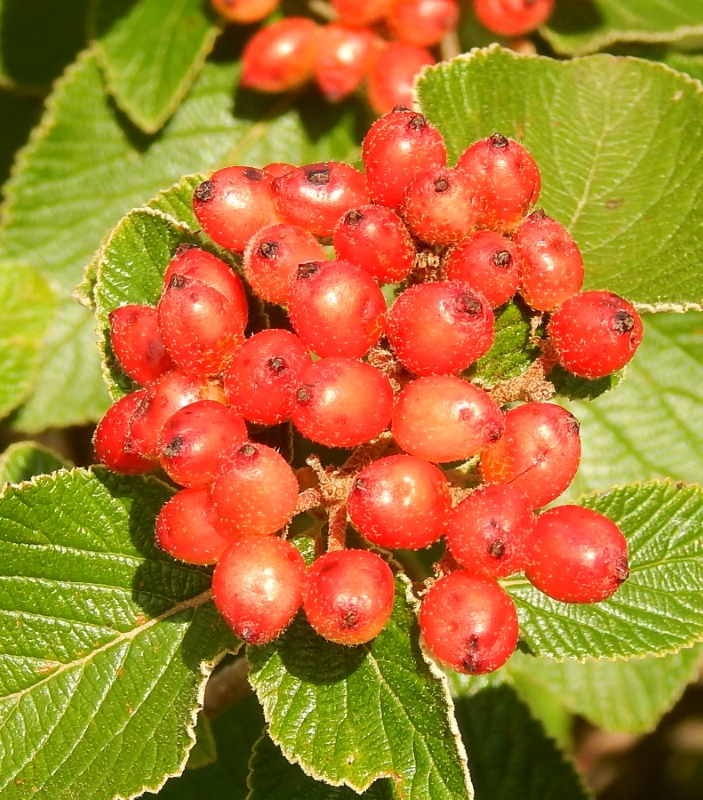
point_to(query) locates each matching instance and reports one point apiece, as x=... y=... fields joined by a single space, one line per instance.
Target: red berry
x=576 y=555
x=393 y=74
x=317 y=195
x=348 y=596
x=489 y=263
x=486 y=532
x=513 y=17
x=400 y=501
x=278 y=168
x=505 y=178
x=188 y=528
x=336 y=308
x=111 y=436
x=200 y=328
x=199 y=265
x=469 y=623
x=344 y=57
x=341 y=402
x=595 y=333
x=443 y=418
x=272 y=257
x=245 y=11
x=280 y=57
x=234 y=204
x=137 y=344
x=256 y=491
x=538 y=454
x=362 y=12
x=257 y=586
x=423 y=22
x=398 y=145
x=552 y=265
x=193 y=438
x=439 y=205
x=375 y=238
x=262 y=377
x=163 y=398
x=440 y=328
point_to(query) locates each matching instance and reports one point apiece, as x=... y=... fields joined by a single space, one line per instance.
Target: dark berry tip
x=417 y=122
x=303 y=396
x=498 y=140
x=204 y=191
x=495 y=433
x=349 y=618
x=360 y=485
x=354 y=218
x=468 y=303
x=318 y=176
x=184 y=247
x=441 y=185
x=177 y=281
x=623 y=322
x=247 y=450
x=573 y=423
x=538 y=213
x=622 y=569
x=496 y=548
x=173 y=448
x=502 y=259
x=400 y=109
x=276 y=365
x=470 y=661
x=307 y=269
x=268 y=249
x=253 y=174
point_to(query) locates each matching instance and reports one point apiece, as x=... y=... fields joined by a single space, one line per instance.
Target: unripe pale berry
x=110 y=441
x=189 y=529
x=400 y=501
x=393 y=74
x=442 y=418
x=341 y=402
x=257 y=586
x=538 y=453
x=348 y=596
x=137 y=344
x=256 y=491
x=440 y=328
x=344 y=57
x=513 y=17
x=336 y=308
x=469 y=623
x=576 y=555
x=595 y=333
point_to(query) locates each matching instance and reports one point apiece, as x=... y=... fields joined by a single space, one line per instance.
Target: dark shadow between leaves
x=575 y=18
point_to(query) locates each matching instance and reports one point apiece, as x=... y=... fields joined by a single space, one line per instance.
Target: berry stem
x=531 y=387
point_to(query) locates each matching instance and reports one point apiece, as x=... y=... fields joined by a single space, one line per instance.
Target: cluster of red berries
x=454 y=243
x=382 y=42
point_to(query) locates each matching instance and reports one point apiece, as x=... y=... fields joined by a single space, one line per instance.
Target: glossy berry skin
x=469 y=623
x=439 y=206
x=137 y=344
x=317 y=195
x=336 y=308
x=576 y=555
x=552 y=265
x=400 y=501
x=344 y=57
x=163 y=398
x=199 y=326
x=257 y=586
x=506 y=181
x=423 y=22
x=245 y=11
x=261 y=379
x=110 y=438
x=513 y=17
x=199 y=265
x=256 y=492
x=278 y=168
x=442 y=418
x=377 y=239
x=188 y=528
x=396 y=146
x=487 y=531
x=440 y=328
x=341 y=402
x=392 y=76
x=362 y=12
x=489 y=263
x=595 y=333
x=234 y=204
x=538 y=454
x=191 y=441
x=348 y=596
x=272 y=257
x=280 y=56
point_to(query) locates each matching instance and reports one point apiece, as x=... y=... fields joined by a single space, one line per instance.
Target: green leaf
x=578 y=28
x=204 y=751
x=38 y=39
x=274 y=778
x=683 y=62
x=349 y=715
x=24 y=460
x=619 y=145
x=511 y=756
x=105 y=641
x=152 y=51
x=657 y=610
x=629 y=696
x=652 y=426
